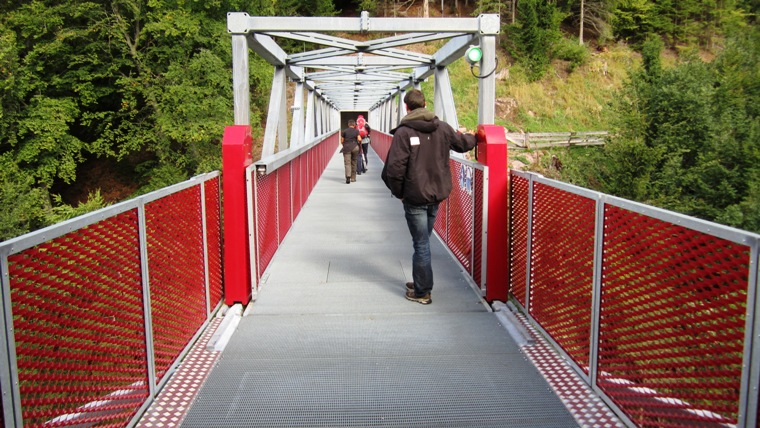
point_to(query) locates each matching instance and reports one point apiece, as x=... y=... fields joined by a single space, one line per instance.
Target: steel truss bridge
x=653 y=314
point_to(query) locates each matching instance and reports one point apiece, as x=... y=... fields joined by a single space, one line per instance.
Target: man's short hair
x=414 y=99
x=351 y=123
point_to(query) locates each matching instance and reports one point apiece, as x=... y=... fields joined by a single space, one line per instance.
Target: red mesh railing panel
x=78 y=322
x=562 y=257
x=460 y=219
x=518 y=235
x=214 y=240
x=477 y=274
x=381 y=143
x=298 y=197
x=441 y=221
x=177 y=280
x=283 y=200
x=672 y=321
x=266 y=233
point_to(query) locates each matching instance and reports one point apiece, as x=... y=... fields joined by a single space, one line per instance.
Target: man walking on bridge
x=417 y=172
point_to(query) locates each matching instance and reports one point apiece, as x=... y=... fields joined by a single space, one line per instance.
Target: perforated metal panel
x=214 y=240
x=267 y=239
x=562 y=259
x=477 y=247
x=461 y=213
x=77 y=344
x=672 y=321
x=518 y=235
x=177 y=277
x=299 y=180
x=284 y=200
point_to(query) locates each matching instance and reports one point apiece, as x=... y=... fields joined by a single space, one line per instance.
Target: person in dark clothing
x=351 y=140
x=417 y=172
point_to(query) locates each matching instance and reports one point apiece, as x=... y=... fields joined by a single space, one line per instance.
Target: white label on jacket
x=415 y=141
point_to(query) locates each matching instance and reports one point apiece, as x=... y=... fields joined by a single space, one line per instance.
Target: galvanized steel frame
x=750 y=381
x=345 y=74
x=11 y=399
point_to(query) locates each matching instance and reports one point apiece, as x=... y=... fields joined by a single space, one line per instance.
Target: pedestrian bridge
x=275 y=296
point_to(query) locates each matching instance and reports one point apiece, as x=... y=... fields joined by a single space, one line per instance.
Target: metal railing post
x=748 y=408
x=145 y=272
x=11 y=396
x=236 y=157
x=529 y=244
x=492 y=152
x=596 y=289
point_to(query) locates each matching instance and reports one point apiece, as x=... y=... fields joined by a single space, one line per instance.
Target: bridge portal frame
x=378 y=69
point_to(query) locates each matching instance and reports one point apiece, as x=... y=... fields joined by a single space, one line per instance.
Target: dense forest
x=104 y=100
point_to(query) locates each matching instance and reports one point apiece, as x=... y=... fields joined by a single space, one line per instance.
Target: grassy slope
x=560 y=102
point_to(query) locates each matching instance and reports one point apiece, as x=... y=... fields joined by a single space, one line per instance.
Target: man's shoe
x=410 y=286
x=353 y=179
x=425 y=300
x=348 y=180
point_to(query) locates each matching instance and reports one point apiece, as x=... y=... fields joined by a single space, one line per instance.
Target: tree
x=535 y=35
x=688 y=137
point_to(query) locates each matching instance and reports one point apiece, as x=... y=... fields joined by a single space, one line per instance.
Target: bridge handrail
x=271 y=163
x=118 y=294
x=657 y=311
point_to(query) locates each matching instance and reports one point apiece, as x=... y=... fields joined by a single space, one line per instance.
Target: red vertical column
x=492 y=152
x=236 y=157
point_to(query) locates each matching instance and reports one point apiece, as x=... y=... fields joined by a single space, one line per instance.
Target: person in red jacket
x=364 y=131
x=351 y=141
x=417 y=172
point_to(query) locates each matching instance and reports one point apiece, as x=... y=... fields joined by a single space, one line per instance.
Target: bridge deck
x=331 y=341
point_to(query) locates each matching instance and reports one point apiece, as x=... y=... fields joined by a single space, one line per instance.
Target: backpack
x=360 y=122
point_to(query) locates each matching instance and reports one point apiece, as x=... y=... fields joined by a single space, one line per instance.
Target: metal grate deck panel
x=393 y=370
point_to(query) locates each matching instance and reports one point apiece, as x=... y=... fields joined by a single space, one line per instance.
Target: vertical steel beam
x=490 y=26
x=296 y=131
x=309 y=132
x=487 y=86
x=276 y=119
x=401 y=106
x=240 y=85
x=445 y=97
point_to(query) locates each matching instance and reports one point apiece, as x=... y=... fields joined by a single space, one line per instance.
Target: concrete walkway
x=332 y=342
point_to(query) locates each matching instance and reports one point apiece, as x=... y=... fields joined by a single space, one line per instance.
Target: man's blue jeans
x=421 y=219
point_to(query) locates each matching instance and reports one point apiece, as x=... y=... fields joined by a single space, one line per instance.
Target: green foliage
x=634 y=20
x=23 y=204
x=571 y=51
x=688 y=137
x=534 y=36
x=61 y=211
x=371 y=6
x=146 y=82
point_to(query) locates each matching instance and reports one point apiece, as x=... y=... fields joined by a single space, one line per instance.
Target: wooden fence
x=540 y=140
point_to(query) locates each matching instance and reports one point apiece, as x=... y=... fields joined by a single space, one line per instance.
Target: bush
x=571 y=51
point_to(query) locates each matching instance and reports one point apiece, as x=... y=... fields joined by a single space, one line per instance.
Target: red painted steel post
x=236 y=157
x=492 y=152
